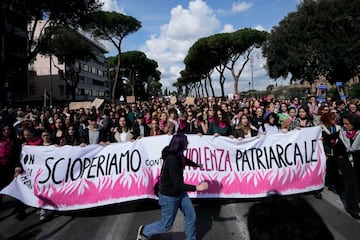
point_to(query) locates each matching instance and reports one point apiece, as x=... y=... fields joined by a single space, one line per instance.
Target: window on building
x=81 y=79
x=98 y=83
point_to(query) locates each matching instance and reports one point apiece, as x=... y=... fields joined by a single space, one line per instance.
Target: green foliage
x=69 y=45
x=220 y=52
x=141 y=73
x=66 y=13
x=354 y=91
x=111 y=26
x=320 y=38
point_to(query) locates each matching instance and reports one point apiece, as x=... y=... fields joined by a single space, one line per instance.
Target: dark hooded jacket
x=172 y=179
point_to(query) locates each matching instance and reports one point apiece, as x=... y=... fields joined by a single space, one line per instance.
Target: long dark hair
x=11 y=128
x=353 y=119
x=178 y=144
x=306 y=109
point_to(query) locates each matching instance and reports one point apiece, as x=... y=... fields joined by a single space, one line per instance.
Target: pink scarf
x=222 y=124
x=350 y=134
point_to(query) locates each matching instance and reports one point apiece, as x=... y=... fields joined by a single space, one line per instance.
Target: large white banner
x=67 y=178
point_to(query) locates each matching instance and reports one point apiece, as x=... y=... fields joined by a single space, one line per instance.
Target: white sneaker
x=140 y=236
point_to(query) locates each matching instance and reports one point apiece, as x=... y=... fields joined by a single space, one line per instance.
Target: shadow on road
x=208 y=211
x=35 y=229
x=114 y=209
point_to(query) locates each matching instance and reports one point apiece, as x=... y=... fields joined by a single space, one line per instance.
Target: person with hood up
x=173 y=191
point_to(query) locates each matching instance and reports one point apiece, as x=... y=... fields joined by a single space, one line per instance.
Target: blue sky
x=170 y=27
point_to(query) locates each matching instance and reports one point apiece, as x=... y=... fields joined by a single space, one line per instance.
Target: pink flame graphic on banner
x=140 y=185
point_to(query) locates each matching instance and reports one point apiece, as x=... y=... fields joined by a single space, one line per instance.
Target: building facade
x=48 y=79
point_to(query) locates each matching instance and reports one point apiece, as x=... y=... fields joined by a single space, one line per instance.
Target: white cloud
x=228 y=28
x=186 y=25
x=260 y=28
x=111 y=5
x=240 y=7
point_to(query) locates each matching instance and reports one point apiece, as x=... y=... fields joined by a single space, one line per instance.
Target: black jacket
x=103 y=135
x=172 y=179
x=136 y=130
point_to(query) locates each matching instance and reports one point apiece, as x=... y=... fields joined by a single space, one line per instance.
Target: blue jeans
x=169 y=206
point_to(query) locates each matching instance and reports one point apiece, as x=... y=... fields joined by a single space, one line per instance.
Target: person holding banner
x=46 y=138
x=59 y=131
x=94 y=133
x=221 y=125
x=288 y=121
x=330 y=135
x=172 y=121
x=163 y=122
x=122 y=133
x=172 y=193
x=46 y=141
x=30 y=139
x=140 y=128
x=303 y=119
x=270 y=125
x=192 y=125
x=72 y=137
x=10 y=149
x=154 y=128
x=347 y=151
x=244 y=128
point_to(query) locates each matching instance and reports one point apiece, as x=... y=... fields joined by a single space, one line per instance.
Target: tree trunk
x=236 y=84
x=211 y=86
x=202 y=88
x=116 y=78
x=205 y=86
x=222 y=81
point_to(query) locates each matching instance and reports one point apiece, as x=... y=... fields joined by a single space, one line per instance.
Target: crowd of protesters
x=237 y=119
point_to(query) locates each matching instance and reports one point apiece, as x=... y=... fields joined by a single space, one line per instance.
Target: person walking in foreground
x=347 y=153
x=172 y=193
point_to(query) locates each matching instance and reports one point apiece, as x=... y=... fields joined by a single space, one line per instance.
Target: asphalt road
x=217 y=219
